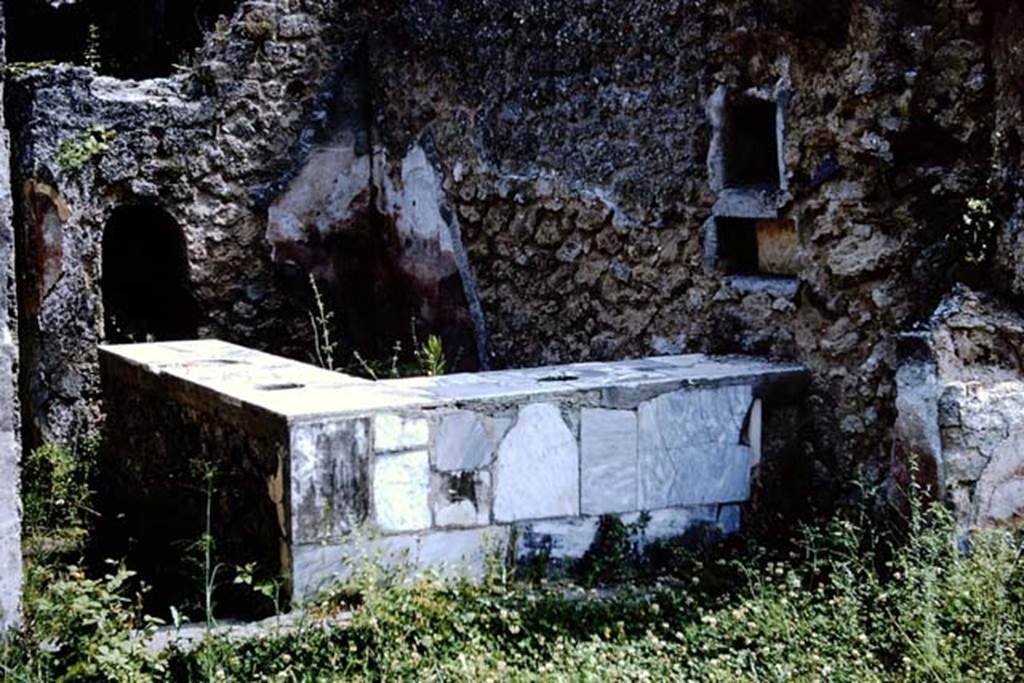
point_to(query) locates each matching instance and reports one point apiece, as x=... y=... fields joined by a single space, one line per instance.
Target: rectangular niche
x=756 y=246
x=750 y=146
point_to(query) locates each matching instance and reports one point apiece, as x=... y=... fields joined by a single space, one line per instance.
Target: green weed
x=75 y=152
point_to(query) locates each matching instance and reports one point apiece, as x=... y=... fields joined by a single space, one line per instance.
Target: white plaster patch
x=332 y=188
x=401 y=486
x=608 y=461
x=429 y=252
x=537 y=471
x=397 y=433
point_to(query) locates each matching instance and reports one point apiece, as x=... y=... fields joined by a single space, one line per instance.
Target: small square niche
x=755 y=246
x=750 y=153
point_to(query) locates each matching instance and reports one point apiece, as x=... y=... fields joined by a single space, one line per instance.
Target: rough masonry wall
x=545 y=167
x=960 y=399
x=1007 y=187
x=573 y=144
x=203 y=146
x=10 y=506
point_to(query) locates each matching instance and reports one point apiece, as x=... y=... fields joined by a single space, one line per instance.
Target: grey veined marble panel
x=690 y=449
x=467 y=440
x=608 y=461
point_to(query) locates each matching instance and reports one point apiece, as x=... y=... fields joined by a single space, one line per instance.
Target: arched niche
x=146 y=291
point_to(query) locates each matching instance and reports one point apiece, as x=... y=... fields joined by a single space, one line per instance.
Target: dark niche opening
x=755 y=246
x=146 y=291
x=751 y=143
x=128 y=38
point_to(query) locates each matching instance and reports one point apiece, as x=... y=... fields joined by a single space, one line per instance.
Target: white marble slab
x=608 y=461
x=537 y=470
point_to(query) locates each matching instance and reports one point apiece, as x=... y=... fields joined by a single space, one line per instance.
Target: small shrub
x=56 y=491
x=322 y=322
x=93 y=57
x=428 y=359
x=83 y=629
x=258 y=27
x=431 y=357
x=614 y=556
x=976 y=234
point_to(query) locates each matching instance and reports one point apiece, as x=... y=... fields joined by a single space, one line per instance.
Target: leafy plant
x=205 y=544
x=614 y=555
x=428 y=359
x=431 y=357
x=78 y=150
x=258 y=27
x=846 y=601
x=387 y=368
x=56 y=489
x=94 y=629
x=977 y=230
x=270 y=589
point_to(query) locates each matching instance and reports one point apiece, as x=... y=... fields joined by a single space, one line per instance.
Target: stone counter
x=332 y=470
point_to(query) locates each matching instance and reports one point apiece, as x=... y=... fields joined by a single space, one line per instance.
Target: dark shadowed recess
x=752 y=153
x=146 y=292
x=131 y=38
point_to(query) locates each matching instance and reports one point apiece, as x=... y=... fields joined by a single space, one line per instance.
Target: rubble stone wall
x=537 y=180
x=961 y=407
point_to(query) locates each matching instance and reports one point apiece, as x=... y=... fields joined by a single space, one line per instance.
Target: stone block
x=693 y=417
x=465 y=551
x=729 y=517
x=608 y=461
x=396 y=433
x=10 y=532
x=537 y=472
x=462 y=499
x=695 y=476
x=999 y=494
x=689 y=447
x=401 y=488
x=755 y=431
x=556 y=538
x=329 y=478
x=467 y=440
